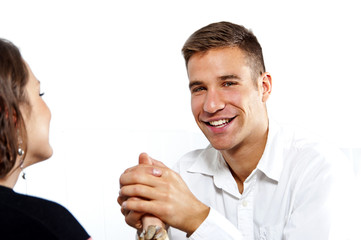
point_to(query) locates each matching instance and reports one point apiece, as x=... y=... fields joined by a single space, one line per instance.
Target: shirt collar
x=271 y=162
x=212 y=163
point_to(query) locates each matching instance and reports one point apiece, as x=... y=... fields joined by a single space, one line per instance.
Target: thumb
x=145 y=159
x=157 y=163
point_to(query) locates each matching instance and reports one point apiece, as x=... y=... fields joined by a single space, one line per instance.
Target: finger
x=138 y=191
x=133 y=199
x=145 y=159
x=121 y=198
x=133 y=219
x=145 y=168
x=131 y=169
x=150 y=220
x=142 y=206
x=158 y=163
x=144 y=174
x=124 y=211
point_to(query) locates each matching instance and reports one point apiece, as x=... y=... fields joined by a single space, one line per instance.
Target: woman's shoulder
x=38 y=215
x=30 y=205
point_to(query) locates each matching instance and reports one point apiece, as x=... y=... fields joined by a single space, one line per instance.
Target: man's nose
x=213 y=102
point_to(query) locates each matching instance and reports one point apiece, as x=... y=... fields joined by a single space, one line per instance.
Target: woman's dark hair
x=13 y=79
x=226 y=34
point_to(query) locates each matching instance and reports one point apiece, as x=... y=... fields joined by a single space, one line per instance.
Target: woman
x=24 y=140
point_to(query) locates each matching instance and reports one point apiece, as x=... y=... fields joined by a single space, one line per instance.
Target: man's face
x=228 y=106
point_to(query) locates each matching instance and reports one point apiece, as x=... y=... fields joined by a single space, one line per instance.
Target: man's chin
x=220 y=146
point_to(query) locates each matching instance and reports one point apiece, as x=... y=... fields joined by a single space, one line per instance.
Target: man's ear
x=266 y=86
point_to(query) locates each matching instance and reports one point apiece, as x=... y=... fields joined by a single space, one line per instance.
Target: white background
x=115 y=81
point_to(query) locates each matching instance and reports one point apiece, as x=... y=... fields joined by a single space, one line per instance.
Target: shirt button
x=244 y=203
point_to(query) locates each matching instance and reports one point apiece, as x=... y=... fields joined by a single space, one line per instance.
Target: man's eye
x=227 y=84
x=198 y=89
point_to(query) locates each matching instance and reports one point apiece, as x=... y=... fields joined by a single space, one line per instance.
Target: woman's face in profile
x=37 y=121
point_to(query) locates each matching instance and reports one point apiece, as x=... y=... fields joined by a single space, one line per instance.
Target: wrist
x=200 y=215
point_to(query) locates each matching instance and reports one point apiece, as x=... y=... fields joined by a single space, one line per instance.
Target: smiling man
x=229 y=105
x=256 y=179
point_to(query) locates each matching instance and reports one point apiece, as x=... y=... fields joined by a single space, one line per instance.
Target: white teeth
x=219 y=122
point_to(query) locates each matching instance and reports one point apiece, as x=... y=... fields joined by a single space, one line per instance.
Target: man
x=257 y=179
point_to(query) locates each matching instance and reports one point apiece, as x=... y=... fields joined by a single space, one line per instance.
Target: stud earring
x=20 y=151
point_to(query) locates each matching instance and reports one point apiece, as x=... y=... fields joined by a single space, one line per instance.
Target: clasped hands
x=152 y=192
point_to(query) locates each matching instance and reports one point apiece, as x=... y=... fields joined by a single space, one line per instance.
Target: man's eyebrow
x=221 y=78
x=229 y=76
x=194 y=83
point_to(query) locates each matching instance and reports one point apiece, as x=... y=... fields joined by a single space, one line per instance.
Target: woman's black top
x=26 y=217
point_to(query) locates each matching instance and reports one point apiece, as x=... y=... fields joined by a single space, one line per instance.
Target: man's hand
x=153 y=227
x=132 y=218
x=157 y=190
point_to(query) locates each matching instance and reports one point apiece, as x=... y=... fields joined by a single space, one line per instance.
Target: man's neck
x=243 y=160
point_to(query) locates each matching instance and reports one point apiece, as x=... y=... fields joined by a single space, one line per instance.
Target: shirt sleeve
x=324 y=205
x=216 y=227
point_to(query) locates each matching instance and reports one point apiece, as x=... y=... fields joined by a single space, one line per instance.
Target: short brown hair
x=226 y=34
x=13 y=79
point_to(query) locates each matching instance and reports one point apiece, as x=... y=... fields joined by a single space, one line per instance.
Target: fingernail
x=139 y=225
x=157 y=172
x=124 y=205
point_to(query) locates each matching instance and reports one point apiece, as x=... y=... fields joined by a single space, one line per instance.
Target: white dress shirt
x=299 y=190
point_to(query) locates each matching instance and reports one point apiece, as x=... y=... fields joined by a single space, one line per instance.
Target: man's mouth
x=220 y=123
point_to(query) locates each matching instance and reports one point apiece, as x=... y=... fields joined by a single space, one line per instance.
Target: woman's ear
x=6 y=112
x=266 y=86
x=15 y=118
